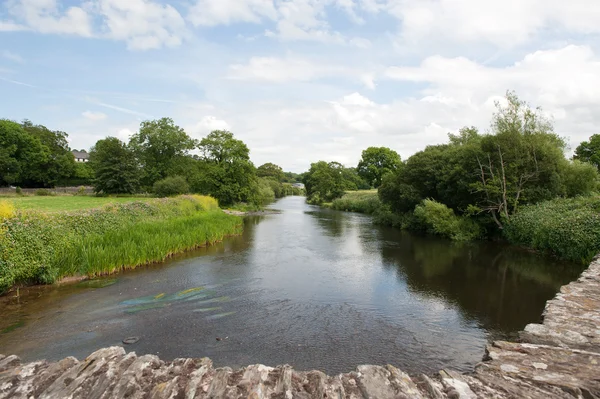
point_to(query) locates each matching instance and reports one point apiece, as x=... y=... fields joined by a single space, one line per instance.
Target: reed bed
x=38 y=247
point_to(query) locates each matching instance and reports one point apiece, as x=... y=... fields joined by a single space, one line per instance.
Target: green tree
x=59 y=165
x=22 y=156
x=162 y=149
x=225 y=170
x=324 y=182
x=376 y=162
x=116 y=170
x=271 y=171
x=589 y=151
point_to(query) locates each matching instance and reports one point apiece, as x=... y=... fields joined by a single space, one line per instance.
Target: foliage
x=580 y=178
x=7 y=209
x=171 y=186
x=263 y=194
x=324 y=182
x=225 y=171
x=272 y=171
x=568 y=228
x=358 y=201
x=18 y=191
x=42 y=192
x=37 y=247
x=589 y=151
x=115 y=167
x=440 y=220
x=161 y=148
x=376 y=162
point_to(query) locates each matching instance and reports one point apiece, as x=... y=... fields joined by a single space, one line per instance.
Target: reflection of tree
x=500 y=286
x=333 y=223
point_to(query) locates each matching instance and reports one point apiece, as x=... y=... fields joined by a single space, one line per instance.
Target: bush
x=42 y=192
x=7 y=209
x=437 y=218
x=171 y=186
x=19 y=191
x=567 y=228
x=358 y=201
x=263 y=193
x=80 y=191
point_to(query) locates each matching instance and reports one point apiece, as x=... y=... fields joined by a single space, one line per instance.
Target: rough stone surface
x=557 y=359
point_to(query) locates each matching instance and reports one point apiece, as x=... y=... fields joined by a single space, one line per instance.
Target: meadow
x=67 y=202
x=45 y=244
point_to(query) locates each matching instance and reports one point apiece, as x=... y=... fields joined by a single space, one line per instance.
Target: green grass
x=67 y=202
x=363 y=201
x=42 y=247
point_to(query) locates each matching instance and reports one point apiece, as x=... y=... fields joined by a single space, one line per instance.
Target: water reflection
x=309 y=287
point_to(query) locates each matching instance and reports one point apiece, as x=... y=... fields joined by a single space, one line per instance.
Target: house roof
x=80 y=154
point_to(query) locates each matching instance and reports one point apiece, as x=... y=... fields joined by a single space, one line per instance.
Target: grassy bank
x=41 y=247
x=67 y=202
x=567 y=228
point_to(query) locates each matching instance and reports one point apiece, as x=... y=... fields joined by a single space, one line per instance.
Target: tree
x=22 y=156
x=162 y=149
x=589 y=151
x=225 y=171
x=116 y=170
x=271 y=171
x=376 y=162
x=324 y=182
x=60 y=163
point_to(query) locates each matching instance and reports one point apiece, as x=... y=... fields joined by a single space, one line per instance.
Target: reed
x=37 y=247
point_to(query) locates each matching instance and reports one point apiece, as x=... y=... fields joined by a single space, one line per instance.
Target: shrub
x=437 y=218
x=80 y=191
x=42 y=192
x=567 y=228
x=358 y=201
x=171 y=186
x=263 y=194
x=19 y=191
x=7 y=209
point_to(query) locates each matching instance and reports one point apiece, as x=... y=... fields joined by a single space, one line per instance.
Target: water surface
x=309 y=287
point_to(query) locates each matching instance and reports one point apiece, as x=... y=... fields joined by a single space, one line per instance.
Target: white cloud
x=13 y=57
x=225 y=12
x=46 y=16
x=94 y=116
x=143 y=24
x=504 y=23
x=206 y=125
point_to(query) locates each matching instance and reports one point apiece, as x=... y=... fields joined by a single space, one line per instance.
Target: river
x=309 y=287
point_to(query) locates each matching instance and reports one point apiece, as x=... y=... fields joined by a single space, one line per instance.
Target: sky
x=298 y=80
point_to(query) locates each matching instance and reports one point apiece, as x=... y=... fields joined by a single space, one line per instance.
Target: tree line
x=159 y=158
x=475 y=183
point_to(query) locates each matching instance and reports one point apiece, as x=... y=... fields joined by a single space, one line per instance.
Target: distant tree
x=162 y=149
x=324 y=182
x=116 y=170
x=270 y=170
x=376 y=162
x=589 y=151
x=22 y=156
x=60 y=163
x=225 y=170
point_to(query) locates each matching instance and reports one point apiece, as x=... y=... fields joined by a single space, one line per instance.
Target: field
x=67 y=202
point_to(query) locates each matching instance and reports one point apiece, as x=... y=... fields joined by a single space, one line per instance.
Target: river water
x=309 y=287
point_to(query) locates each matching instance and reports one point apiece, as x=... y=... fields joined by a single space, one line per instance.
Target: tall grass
x=38 y=247
x=567 y=228
x=365 y=201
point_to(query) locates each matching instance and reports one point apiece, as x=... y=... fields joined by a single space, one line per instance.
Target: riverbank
x=556 y=359
x=43 y=247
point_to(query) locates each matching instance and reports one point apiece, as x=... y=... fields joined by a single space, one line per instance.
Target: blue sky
x=298 y=80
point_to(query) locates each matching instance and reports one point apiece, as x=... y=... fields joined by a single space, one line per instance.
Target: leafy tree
x=162 y=149
x=376 y=162
x=270 y=170
x=580 y=178
x=324 y=182
x=589 y=151
x=170 y=186
x=225 y=171
x=116 y=170
x=60 y=163
x=22 y=156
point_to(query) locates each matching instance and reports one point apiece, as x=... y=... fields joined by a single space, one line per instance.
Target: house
x=81 y=156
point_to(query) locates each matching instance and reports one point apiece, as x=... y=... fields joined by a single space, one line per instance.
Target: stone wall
x=557 y=359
